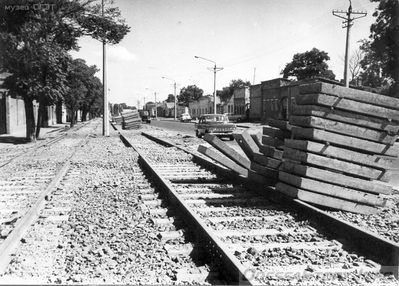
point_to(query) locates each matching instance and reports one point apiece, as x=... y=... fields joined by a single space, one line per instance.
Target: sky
x=249 y=39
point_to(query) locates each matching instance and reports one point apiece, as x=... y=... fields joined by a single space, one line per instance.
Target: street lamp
x=215 y=69
x=174 y=85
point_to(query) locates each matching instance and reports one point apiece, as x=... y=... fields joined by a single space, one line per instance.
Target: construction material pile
x=131 y=119
x=342 y=148
x=248 y=162
x=337 y=150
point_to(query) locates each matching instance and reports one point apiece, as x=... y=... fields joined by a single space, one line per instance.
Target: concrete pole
x=174 y=85
x=105 y=90
x=156 y=105
x=214 y=90
x=348 y=27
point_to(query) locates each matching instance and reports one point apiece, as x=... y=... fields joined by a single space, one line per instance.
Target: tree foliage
x=35 y=38
x=227 y=92
x=381 y=61
x=84 y=90
x=189 y=93
x=307 y=65
x=171 y=98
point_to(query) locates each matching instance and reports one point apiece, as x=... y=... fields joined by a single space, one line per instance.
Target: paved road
x=186 y=128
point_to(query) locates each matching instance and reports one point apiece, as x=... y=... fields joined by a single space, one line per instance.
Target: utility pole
x=215 y=70
x=105 y=90
x=144 y=103
x=348 y=24
x=253 y=81
x=156 y=105
x=174 y=87
x=174 y=93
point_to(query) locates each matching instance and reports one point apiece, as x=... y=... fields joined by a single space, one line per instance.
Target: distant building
x=241 y=100
x=204 y=105
x=274 y=99
x=226 y=106
x=255 y=98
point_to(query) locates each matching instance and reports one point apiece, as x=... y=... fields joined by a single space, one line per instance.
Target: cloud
x=120 y=53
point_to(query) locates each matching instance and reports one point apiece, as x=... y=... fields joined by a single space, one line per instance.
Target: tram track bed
x=96 y=227
x=385 y=222
x=296 y=244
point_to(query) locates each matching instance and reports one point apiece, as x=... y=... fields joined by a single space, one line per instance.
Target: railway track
x=31 y=181
x=254 y=238
x=6 y=157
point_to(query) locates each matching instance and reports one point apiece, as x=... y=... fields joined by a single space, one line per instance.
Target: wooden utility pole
x=348 y=24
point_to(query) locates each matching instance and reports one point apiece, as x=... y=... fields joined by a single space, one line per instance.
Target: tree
x=35 y=42
x=171 y=98
x=84 y=90
x=93 y=102
x=381 y=61
x=354 y=65
x=228 y=91
x=189 y=93
x=307 y=65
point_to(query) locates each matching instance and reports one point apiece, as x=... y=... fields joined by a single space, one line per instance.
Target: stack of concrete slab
x=241 y=159
x=131 y=119
x=271 y=143
x=342 y=148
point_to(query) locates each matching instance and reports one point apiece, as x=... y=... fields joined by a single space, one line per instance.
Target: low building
x=255 y=99
x=227 y=106
x=204 y=105
x=274 y=100
x=241 y=100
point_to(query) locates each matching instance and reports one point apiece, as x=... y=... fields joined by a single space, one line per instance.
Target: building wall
x=255 y=109
x=15 y=115
x=203 y=105
x=226 y=106
x=3 y=118
x=50 y=117
x=241 y=100
x=273 y=103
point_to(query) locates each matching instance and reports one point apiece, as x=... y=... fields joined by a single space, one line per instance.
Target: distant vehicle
x=145 y=116
x=217 y=124
x=236 y=117
x=185 y=117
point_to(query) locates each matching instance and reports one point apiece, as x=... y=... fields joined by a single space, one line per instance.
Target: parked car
x=145 y=116
x=236 y=117
x=185 y=117
x=217 y=124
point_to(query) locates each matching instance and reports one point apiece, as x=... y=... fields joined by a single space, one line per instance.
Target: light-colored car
x=217 y=124
x=185 y=117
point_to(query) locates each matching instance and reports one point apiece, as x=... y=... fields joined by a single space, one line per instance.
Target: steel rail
x=232 y=267
x=10 y=244
x=43 y=144
x=384 y=251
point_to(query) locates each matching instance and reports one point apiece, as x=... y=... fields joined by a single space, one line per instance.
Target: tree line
x=35 y=40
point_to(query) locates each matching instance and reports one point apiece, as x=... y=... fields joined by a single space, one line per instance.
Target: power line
x=348 y=24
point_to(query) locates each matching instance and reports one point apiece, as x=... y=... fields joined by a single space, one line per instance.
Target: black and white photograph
x=199 y=142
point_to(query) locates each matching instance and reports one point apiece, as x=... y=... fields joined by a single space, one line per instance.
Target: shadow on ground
x=13 y=140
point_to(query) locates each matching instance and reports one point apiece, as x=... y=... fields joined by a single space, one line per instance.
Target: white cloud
x=119 y=53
